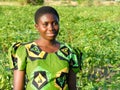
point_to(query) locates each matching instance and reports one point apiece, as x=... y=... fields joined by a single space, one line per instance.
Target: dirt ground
x=10 y=3
x=72 y=3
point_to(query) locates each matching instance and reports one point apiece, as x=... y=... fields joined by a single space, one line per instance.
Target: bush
x=35 y=2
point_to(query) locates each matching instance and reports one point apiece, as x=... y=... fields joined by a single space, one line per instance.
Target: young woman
x=44 y=64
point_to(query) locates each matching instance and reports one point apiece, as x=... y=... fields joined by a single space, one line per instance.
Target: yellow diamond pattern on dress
x=65 y=50
x=41 y=55
x=65 y=70
x=39 y=80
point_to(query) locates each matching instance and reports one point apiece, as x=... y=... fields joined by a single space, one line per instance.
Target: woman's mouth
x=50 y=34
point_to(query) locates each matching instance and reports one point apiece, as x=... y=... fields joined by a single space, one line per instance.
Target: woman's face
x=48 y=26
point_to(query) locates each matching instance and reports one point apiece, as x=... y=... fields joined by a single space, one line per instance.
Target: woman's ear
x=36 y=26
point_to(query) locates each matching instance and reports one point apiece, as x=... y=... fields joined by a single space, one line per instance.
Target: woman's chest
x=50 y=64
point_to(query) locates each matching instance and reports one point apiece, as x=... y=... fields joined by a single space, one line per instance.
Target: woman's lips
x=50 y=34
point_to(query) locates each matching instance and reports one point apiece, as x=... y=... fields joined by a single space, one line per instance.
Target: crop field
x=93 y=30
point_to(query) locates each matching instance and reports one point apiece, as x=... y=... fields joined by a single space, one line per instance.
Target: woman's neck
x=43 y=42
x=48 y=46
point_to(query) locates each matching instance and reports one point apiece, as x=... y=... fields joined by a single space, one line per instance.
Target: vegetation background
x=92 y=26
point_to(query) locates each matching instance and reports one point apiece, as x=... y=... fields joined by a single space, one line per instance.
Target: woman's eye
x=45 y=24
x=55 y=23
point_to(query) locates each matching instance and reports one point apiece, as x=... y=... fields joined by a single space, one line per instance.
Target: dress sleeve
x=76 y=61
x=17 y=57
x=74 y=64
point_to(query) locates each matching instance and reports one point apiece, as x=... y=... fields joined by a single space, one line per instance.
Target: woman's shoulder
x=72 y=49
x=18 y=45
x=66 y=46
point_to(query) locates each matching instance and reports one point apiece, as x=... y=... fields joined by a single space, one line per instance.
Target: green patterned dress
x=44 y=71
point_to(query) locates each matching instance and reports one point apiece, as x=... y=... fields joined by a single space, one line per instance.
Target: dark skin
x=48 y=27
x=19 y=77
x=72 y=80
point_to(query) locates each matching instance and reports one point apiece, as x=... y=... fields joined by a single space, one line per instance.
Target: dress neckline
x=45 y=51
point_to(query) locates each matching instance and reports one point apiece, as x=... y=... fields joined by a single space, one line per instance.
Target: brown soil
x=10 y=3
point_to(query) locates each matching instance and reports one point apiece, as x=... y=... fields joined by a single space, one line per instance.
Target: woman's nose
x=50 y=27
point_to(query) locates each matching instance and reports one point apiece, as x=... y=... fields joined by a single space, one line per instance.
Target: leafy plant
x=95 y=31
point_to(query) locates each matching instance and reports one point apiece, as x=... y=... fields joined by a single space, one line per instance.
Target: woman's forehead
x=48 y=16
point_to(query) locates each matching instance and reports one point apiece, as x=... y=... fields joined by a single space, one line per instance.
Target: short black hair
x=43 y=10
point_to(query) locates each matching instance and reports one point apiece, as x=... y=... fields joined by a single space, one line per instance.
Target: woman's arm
x=72 y=80
x=19 y=77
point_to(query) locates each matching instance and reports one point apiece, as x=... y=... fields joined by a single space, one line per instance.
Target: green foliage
x=93 y=30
